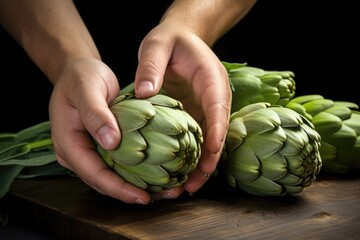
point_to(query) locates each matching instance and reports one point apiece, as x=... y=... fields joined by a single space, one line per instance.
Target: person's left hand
x=177 y=60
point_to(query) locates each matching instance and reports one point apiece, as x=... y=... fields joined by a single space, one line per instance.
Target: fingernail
x=107 y=137
x=140 y=201
x=168 y=196
x=145 y=86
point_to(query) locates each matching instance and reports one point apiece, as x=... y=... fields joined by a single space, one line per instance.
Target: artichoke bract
x=338 y=123
x=251 y=84
x=270 y=151
x=160 y=142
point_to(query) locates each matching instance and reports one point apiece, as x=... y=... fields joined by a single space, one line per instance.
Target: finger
x=153 y=57
x=95 y=173
x=93 y=106
x=76 y=151
x=217 y=114
x=196 y=180
x=168 y=194
x=206 y=167
x=216 y=130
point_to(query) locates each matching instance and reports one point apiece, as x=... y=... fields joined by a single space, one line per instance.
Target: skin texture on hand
x=175 y=55
x=196 y=77
x=78 y=105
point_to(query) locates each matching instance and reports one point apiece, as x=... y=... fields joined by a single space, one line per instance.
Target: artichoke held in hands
x=160 y=145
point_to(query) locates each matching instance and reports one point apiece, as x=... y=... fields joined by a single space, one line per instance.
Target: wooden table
x=66 y=207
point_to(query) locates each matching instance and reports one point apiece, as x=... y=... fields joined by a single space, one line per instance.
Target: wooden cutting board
x=66 y=207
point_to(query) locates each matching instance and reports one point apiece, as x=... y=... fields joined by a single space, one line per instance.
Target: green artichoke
x=160 y=145
x=270 y=151
x=338 y=123
x=251 y=85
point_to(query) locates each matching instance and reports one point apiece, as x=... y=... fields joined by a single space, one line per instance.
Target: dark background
x=317 y=41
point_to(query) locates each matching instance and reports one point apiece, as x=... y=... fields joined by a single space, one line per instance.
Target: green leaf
x=7 y=176
x=51 y=169
x=33 y=159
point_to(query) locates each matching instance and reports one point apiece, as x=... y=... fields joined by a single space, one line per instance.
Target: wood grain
x=328 y=209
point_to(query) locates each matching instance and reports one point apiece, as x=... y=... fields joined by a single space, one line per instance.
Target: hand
x=181 y=63
x=79 y=106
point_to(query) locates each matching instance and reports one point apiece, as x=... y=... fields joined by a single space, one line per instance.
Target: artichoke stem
x=41 y=144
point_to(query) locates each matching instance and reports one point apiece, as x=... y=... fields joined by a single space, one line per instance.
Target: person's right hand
x=172 y=57
x=78 y=108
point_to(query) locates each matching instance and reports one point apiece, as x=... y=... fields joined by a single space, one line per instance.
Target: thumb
x=97 y=117
x=153 y=61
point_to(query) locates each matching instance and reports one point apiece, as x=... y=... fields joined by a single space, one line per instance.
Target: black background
x=317 y=40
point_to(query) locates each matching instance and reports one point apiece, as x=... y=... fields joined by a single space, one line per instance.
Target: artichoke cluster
x=338 y=123
x=160 y=145
x=270 y=151
x=276 y=143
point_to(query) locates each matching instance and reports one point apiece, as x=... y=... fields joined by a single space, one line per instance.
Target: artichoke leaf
x=248 y=109
x=306 y=98
x=274 y=167
x=350 y=156
x=130 y=150
x=318 y=105
x=299 y=109
x=339 y=111
x=129 y=176
x=243 y=163
x=293 y=189
x=174 y=165
x=261 y=121
x=156 y=151
x=296 y=140
x=346 y=104
x=262 y=186
x=295 y=164
x=164 y=122
x=152 y=175
x=236 y=134
x=131 y=109
x=354 y=122
x=290 y=180
x=326 y=124
x=271 y=78
x=165 y=101
x=266 y=144
x=344 y=137
x=289 y=118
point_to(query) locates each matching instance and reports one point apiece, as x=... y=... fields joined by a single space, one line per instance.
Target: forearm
x=50 y=31
x=209 y=19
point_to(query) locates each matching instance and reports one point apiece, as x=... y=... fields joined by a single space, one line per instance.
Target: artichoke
x=338 y=123
x=252 y=84
x=270 y=151
x=160 y=145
